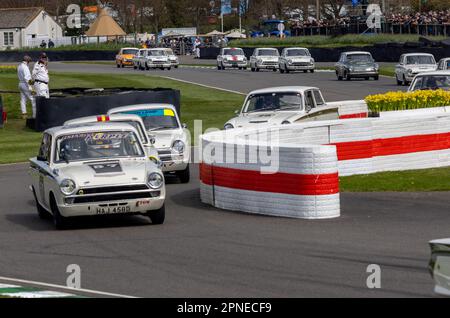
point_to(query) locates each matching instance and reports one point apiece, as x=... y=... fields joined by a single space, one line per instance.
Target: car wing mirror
x=184 y=125
x=40 y=158
x=236 y=112
x=152 y=139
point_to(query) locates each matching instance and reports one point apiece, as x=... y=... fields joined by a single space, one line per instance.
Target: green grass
x=17 y=143
x=329 y=41
x=415 y=180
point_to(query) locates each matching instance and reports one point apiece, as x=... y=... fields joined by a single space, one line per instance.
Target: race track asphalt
x=204 y=252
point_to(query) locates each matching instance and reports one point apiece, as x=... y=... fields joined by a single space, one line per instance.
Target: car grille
x=158 y=62
x=270 y=63
x=126 y=188
x=300 y=64
x=116 y=197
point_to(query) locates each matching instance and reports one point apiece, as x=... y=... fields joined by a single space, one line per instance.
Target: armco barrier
x=306 y=157
x=306 y=185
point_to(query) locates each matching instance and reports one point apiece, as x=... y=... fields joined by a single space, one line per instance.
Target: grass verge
x=400 y=181
x=18 y=143
x=331 y=41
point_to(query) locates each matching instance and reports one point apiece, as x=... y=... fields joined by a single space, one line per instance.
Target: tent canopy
x=236 y=35
x=105 y=25
x=215 y=32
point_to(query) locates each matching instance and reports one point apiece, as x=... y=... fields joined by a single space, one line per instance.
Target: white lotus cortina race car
x=283 y=105
x=95 y=169
x=171 y=137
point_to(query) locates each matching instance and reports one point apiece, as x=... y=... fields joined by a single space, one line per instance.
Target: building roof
x=11 y=18
x=105 y=26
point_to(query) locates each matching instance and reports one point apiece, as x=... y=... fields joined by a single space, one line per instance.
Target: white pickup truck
x=292 y=104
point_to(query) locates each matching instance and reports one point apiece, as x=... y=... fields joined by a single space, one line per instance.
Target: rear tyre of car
x=42 y=213
x=122 y=65
x=257 y=69
x=398 y=81
x=146 y=67
x=158 y=216
x=281 y=70
x=135 y=67
x=253 y=69
x=60 y=222
x=305 y=71
x=169 y=68
x=184 y=175
x=312 y=71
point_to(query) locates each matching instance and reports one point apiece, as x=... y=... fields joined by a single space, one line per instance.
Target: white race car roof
x=414 y=54
x=129 y=48
x=98 y=118
x=87 y=128
x=141 y=107
x=357 y=52
x=296 y=48
x=281 y=89
x=437 y=73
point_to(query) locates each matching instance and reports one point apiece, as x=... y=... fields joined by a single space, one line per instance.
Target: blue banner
x=355 y=3
x=226 y=7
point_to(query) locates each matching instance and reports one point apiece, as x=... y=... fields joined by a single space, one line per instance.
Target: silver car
x=264 y=58
x=96 y=169
x=296 y=59
x=412 y=64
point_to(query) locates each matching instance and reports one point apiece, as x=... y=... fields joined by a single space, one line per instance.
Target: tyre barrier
x=306 y=184
x=310 y=157
x=351 y=109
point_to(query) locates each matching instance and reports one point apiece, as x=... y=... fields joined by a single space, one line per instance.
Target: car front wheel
x=158 y=216
x=184 y=175
x=59 y=221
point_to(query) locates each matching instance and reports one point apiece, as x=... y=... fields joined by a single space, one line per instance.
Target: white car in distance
x=264 y=58
x=231 y=58
x=173 y=58
x=412 y=64
x=444 y=64
x=281 y=106
x=172 y=139
x=96 y=169
x=154 y=59
x=296 y=59
x=134 y=120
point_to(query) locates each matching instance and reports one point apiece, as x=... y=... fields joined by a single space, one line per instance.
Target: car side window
x=318 y=98
x=418 y=83
x=45 y=149
x=309 y=100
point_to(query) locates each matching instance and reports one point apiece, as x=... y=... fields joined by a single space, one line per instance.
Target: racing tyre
x=305 y=71
x=42 y=213
x=257 y=69
x=176 y=66
x=59 y=221
x=169 y=68
x=312 y=71
x=245 y=68
x=281 y=70
x=376 y=78
x=158 y=216
x=122 y=65
x=253 y=69
x=184 y=175
x=405 y=82
x=135 y=67
x=347 y=76
x=274 y=70
x=146 y=67
x=118 y=65
x=398 y=81
x=367 y=78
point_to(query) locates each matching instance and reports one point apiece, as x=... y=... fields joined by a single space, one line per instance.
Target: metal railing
x=386 y=28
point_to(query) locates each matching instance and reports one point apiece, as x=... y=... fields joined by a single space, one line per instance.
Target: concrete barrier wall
x=312 y=156
x=351 y=109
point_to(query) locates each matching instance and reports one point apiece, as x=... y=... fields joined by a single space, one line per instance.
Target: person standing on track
x=25 y=87
x=40 y=77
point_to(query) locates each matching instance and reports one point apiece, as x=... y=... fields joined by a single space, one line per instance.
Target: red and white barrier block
x=351 y=109
x=302 y=183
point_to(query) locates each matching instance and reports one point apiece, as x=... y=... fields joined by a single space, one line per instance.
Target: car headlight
x=228 y=126
x=285 y=122
x=410 y=71
x=68 y=187
x=289 y=61
x=178 y=146
x=350 y=68
x=311 y=61
x=155 y=180
x=259 y=61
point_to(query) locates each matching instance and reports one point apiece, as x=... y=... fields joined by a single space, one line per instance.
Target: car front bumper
x=363 y=73
x=159 y=65
x=142 y=204
x=235 y=64
x=267 y=66
x=126 y=62
x=293 y=67
x=173 y=162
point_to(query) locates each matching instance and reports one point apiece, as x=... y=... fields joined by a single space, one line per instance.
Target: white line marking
x=73 y=290
x=9 y=286
x=38 y=294
x=203 y=85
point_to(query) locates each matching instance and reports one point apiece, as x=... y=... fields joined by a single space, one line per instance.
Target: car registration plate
x=113 y=210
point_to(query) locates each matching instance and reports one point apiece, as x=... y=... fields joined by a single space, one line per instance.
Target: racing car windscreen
x=359 y=58
x=274 y=102
x=157 y=119
x=268 y=53
x=97 y=145
x=420 y=59
x=157 y=53
x=130 y=52
x=432 y=82
x=233 y=52
x=297 y=52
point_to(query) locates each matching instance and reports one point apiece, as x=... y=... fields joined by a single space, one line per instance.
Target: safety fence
x=301 y=179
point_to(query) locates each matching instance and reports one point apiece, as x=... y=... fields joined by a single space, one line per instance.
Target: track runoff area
x=368 y=223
